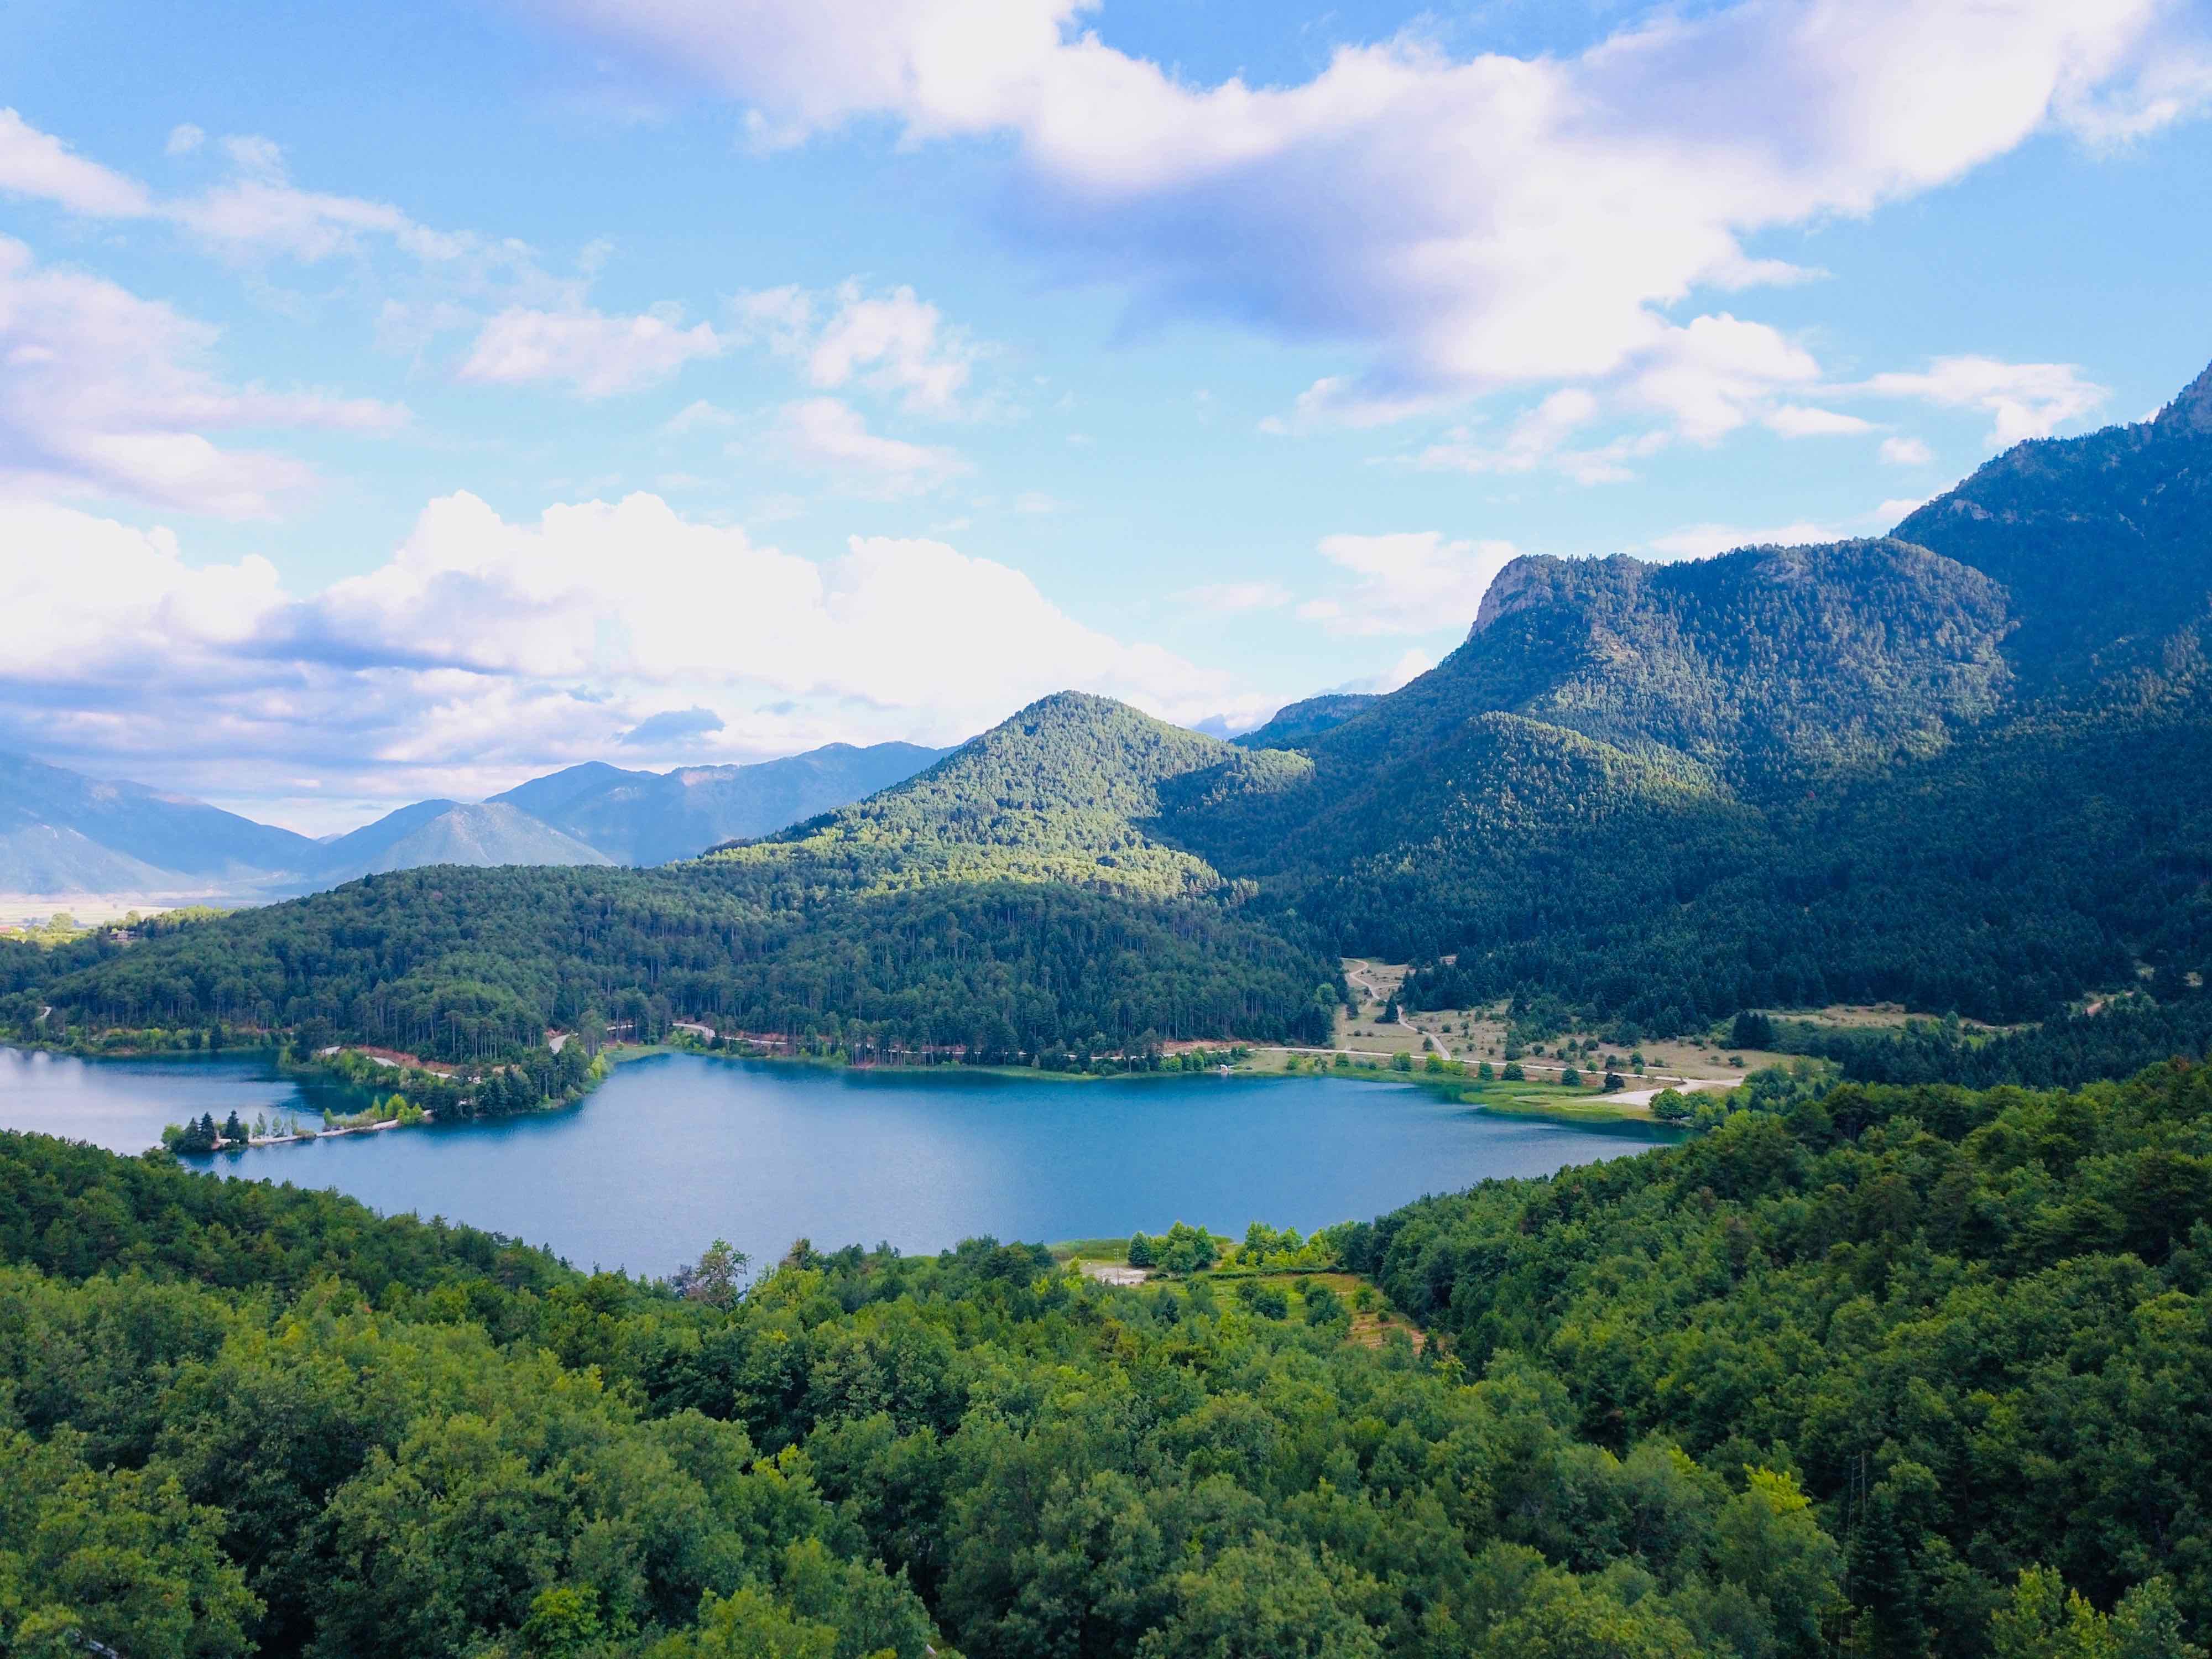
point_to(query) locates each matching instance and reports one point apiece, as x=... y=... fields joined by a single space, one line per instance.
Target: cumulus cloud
x=102 y=393
x=1906 y=451
x=85 y=594
x=597 y=355
x=1411 y=582
x=1468 y=223
x=486 y=648
x=832 y=436
x=2027 y=400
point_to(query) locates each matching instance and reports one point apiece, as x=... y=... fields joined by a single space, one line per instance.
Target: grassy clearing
x=1373 y=1316
x=1371 y=1324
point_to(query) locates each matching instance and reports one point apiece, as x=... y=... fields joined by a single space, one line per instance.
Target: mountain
x=110 y=836
x=2102 y=543
x=1962 y=767
x=1295 y=722
x=62 y=832
x=1586 y=686
x=450 y=832
x=41 y=858
x=1960 y=776
x=1058 y=791
x=651 y=817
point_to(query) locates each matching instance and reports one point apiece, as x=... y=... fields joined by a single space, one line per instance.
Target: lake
x=677 y=1149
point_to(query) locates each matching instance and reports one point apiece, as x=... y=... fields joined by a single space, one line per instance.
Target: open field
x=1371 y=1323
x=1474 y=1035
x=33 y=910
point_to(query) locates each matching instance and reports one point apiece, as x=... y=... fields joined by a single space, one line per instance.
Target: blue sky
x=410 y=402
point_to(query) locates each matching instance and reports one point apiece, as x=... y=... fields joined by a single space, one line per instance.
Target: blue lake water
x=675 y=1151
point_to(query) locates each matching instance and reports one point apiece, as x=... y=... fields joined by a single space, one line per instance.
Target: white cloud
x=1235 y=596
x=1906 y=451
x=35 y=164
x=696 y=415
x=597 y=354
x=485 y=648
x=2028 y=400
x=83 y=593
x=833 y=436
x=1411 y=582
x=1711 y=376
x=1471 y=223
x=1801 y=421
x=1702 y=541
x=1539 y=438
x=184 y=139
x=1412 y=662
x=102 y=393
x=895 y=344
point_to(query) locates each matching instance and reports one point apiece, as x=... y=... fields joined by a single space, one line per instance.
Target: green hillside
x=1053 y=794
x=471 y=964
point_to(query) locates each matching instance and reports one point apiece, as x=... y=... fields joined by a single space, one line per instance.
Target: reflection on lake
x=676 y=1150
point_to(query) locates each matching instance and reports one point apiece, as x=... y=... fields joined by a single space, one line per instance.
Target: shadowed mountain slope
x=1294 y=723
x=149 y=829
x=451 y=832
x=2103 y=542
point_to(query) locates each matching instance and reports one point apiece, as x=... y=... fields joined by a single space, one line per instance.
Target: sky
x=406 y=401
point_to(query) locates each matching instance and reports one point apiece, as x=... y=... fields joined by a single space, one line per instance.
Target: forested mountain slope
x=1594 y=694
x=2102 y=543
x=471 y=964
x=1055 y=793
x=1970 y=778
x=1294 y=722
x=1004 y=901
x=1977 y=1328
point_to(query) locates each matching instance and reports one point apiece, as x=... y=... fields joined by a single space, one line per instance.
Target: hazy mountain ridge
x=651 y=817
x=183 y=841
x=63 y=833
x=484 y=834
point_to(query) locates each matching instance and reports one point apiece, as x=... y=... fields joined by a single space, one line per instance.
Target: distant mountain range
x=62 y=832
x=651 y=818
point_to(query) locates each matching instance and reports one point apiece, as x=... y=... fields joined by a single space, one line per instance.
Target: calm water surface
x=674 y=1150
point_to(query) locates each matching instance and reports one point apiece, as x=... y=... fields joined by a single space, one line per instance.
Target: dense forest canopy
x=466 y=964
x=1884 y=1371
